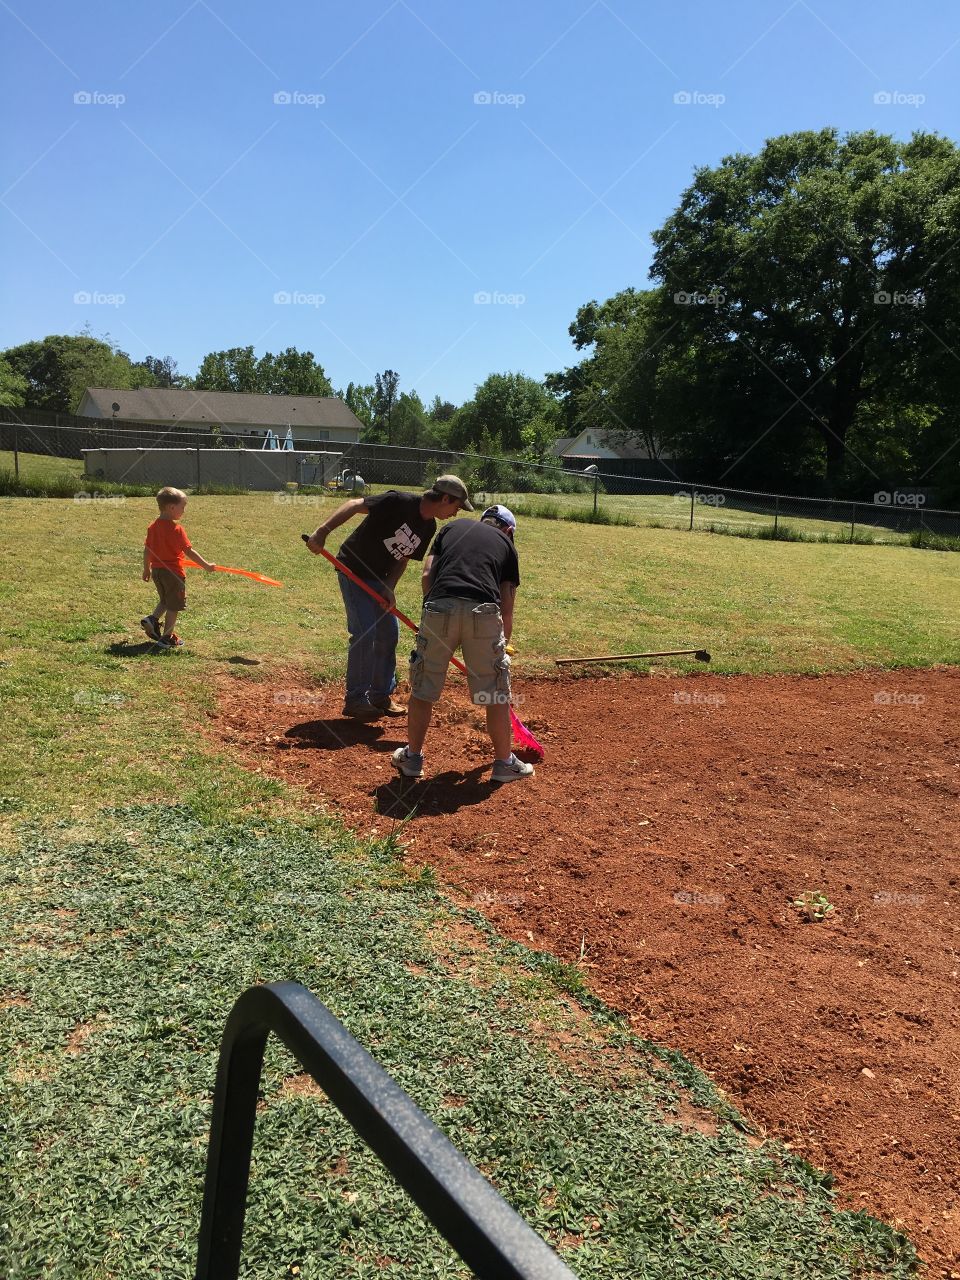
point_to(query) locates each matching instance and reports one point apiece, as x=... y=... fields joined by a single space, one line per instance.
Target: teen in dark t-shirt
x=470 y=561
x=470 y=582
x=397 y=528
x=394 y=530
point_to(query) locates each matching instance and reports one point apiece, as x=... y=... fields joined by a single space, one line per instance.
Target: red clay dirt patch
x=663 y=843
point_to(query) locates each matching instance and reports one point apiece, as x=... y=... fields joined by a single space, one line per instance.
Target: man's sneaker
x=510 y=770
x=387 y=706
x=408 y=762
x=361 y=711
x=149 y=624
x=172 y=641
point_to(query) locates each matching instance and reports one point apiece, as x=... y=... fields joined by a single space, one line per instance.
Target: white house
x=310 y=418
x=594 y=443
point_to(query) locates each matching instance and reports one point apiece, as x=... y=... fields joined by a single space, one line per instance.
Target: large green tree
x=13 y=386
x=509 y=413
x=384 y=401
x=358 y=398
x=818 y=277
x=59 y=368
x=291 y=373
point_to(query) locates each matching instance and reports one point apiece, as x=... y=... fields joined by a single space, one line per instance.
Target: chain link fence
x=545 y=490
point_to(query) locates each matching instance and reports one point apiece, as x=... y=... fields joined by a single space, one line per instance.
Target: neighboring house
x=594 y=443
x=311 y=418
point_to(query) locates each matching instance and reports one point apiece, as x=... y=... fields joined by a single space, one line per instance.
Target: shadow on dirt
x=443 y=793
x=339 y=732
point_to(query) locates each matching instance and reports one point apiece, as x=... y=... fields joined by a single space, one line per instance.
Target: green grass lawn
x=147 y=878
x=668 y=510
x=40 y=466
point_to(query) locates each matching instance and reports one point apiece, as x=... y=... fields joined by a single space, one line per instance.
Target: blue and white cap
x=501 y=515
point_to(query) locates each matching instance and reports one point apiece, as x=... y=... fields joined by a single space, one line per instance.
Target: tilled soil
x=663 y=845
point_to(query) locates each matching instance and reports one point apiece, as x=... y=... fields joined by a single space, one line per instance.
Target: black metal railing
x=488 y=1235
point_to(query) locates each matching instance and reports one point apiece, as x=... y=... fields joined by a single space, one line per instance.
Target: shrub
x=928 y=541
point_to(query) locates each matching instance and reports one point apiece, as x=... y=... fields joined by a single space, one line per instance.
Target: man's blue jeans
x=372 y=656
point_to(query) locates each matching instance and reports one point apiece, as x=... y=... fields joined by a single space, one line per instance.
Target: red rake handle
x=520 y=731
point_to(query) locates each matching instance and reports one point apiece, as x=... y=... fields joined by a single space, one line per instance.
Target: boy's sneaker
x=172 y=641
x=407 y=762
x=510 y=770
x=149 y=624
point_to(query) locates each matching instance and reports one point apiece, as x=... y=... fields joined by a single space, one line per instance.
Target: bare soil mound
x=663 y=845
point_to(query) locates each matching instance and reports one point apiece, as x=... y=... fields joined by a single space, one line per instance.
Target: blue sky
x=429 y=155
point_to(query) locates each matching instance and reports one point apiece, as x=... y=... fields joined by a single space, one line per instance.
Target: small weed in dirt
x=814 y=906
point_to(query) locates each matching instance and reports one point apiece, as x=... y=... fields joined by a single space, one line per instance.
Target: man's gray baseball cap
x=455 y=487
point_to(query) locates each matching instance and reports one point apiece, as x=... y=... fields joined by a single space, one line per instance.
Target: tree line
x=801 y=330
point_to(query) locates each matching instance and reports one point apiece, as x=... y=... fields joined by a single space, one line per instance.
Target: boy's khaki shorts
x=477 y=630
x=171 y=588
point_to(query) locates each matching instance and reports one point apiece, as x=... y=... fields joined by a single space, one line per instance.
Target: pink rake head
x=524 y=738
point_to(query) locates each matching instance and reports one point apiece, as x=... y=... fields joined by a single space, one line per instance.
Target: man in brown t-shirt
x=397 y=528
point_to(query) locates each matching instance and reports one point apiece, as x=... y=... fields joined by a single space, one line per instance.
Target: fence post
x=776 y=513
x=853 y=518
x=920 y=528
x=16 y=453
x=693 y=498
x=198 y=466
x=596 y=490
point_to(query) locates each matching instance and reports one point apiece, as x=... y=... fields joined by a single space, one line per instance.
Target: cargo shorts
x=171 y=588
x=477 y=630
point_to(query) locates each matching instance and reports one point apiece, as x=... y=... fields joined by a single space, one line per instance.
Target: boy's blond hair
x=168 y=496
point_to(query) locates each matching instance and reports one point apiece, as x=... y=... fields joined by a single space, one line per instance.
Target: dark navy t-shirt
x=393 y=530
x=471 y=559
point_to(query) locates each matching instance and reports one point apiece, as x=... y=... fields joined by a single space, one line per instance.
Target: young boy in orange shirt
x=164 y=552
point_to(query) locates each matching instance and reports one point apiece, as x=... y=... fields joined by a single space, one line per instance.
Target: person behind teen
x=165 y=550
x=470 y=582
x=397 y=528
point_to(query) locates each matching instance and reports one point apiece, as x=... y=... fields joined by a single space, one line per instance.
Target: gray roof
x=230 y=408
x=558 y=446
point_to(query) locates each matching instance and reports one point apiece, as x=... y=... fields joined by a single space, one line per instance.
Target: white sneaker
x=407 y=762
x=510 y=770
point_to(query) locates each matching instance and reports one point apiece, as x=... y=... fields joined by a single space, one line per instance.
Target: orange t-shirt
x=166 y=542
